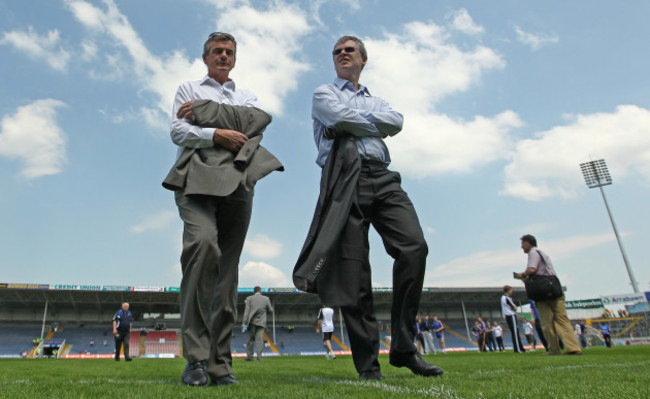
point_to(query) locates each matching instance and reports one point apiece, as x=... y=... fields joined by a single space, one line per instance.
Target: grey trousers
x=429 y=346
x=255 y=339
x=213 y=238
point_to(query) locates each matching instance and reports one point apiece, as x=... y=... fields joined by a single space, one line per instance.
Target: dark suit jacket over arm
x=318 y=267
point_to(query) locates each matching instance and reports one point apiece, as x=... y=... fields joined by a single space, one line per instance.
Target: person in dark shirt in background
x=122 y=331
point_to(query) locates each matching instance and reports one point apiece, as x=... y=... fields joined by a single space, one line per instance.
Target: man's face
x=221 y=57
x=526 y=246
x=125 y=307
x=349 y=61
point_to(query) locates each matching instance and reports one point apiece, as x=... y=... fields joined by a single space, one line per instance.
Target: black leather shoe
x=371 y=375
x=195 y=374
x=416 y=364
x=128 y=359
x=227 y=379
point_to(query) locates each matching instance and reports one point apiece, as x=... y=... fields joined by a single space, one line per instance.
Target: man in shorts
x=326 y=325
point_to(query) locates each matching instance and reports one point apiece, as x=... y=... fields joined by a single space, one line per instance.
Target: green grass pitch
x=621 y=372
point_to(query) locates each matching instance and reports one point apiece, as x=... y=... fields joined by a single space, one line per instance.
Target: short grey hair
x=362 y=47
x=219 y=37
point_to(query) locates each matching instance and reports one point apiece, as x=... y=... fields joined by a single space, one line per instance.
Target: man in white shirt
x=528 y=333
x=498 y=335
x=215 y=226
x=326 y=325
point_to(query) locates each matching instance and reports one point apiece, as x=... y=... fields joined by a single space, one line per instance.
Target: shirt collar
x=207 y=80
x=344 y=84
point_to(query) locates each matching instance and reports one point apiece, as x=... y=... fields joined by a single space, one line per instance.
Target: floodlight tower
x=597 y=175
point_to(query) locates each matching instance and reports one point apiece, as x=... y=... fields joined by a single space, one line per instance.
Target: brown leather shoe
x=574 y=353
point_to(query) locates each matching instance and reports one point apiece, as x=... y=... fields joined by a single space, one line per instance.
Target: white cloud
x=31 y=135
x=263 y=247
x=154 y=222
x=316 y=5
x=432 y=67
x=157 y=76
x=45 y=48
x=494 y=268
x=462 y=21
x=88 y=50
x=267 y=43
x=262 y=274
x=535 y=41
x=268 y=49
x=549 y=164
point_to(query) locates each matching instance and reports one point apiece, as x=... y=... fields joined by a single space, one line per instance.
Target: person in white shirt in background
x=326 y=325
x=498 y=335
x=528 y=333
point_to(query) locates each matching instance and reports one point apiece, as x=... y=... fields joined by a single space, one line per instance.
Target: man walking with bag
x=552 y=313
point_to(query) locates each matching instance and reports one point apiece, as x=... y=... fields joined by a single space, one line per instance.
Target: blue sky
x=502 y=102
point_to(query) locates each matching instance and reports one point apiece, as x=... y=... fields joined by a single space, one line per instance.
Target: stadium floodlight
x=597 y=175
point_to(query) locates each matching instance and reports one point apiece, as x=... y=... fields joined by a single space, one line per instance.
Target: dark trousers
x=500 y=343
x=516 y=341
x=540 y=333
x=481 y=340
x=490 y=342
x=608 y=340
x=213 y=238
x=384 y=204
x=122 y=338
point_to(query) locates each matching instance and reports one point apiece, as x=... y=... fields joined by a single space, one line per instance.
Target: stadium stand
x=86 y=339
x=134 y=344
x=17 y=338
x=163 y=342
x=24 y=306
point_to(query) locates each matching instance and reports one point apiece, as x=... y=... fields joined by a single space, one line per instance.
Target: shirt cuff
x=207 y=134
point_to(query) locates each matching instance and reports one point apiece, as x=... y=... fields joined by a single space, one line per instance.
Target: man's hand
x=185 y=111
x=115 y=332
x=332 y=132
x=229 y=139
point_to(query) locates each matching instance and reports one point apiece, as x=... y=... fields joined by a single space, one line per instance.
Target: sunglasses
x=346 y=49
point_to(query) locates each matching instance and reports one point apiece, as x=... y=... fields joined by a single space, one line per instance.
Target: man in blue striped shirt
x=346 y=108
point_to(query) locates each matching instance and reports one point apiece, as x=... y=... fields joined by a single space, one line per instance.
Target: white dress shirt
x=182 y=132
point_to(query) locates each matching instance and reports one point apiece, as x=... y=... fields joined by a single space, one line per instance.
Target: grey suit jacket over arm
x=256 y=308
x=216 y=170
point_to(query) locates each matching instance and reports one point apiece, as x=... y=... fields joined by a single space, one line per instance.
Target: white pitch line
x=436 y=392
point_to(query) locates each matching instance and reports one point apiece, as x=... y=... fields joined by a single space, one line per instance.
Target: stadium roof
x=27 y=297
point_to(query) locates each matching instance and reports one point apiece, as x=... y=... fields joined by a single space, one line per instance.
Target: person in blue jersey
x=439 y=330
x=606 y=333
x=122 y=331
x=538 y=324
